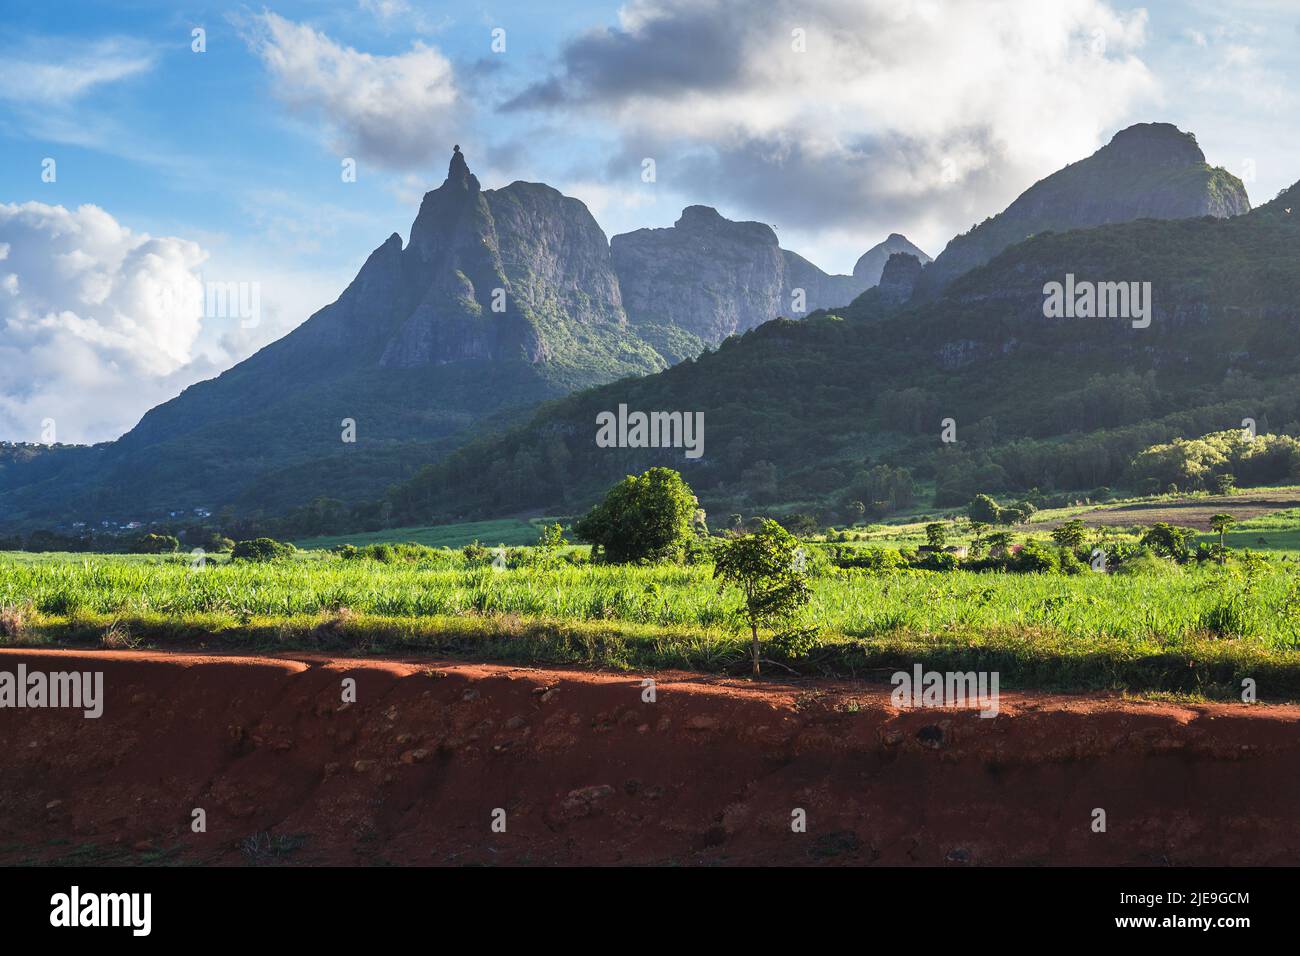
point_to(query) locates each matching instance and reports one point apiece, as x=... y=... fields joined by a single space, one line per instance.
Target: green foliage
x=767 y=567
x=644 y=517
x=261 y=550
x=1169 y=541
x=551 y=537
x=1217 y=461
x=1070 y=534
x=936 y=535
x=983 y=509
x=475 y=553
x=1036 y=557
x=156 y=544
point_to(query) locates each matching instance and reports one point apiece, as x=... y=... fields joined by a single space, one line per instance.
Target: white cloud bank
x=95 y=320
x=98 y=323
x=922 y=115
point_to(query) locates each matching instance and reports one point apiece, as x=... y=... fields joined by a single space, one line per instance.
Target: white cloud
x=46 y=76
x=95 y=320
x=398 y=111
x=386 y=10
x=931 y=112
x=98 y=323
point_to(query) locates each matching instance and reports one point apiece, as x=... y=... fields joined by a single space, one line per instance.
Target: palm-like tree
x=1221 y=524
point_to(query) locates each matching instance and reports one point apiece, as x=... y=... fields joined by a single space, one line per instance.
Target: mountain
x=1147 y=171
x=714 y=277
x=869 y=268
x=843 y=408
x=500 y=299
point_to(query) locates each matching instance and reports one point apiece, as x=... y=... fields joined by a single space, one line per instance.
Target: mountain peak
x=699 y=217
x=458 y=173
x=871 y=265
x=1147 y=171
x=1157 y=144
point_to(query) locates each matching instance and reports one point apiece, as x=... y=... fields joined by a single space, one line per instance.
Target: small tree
x=936 y=535
x=261 y=549
x=999 y=542
x=551 y=537
x=155 y=544
x=1012 y=515
x=1225 y=484
x=643 y=518
x=1221 y=524
x=983 y=509
x=1071 y=534
x=1168 y=540
x=765 y=566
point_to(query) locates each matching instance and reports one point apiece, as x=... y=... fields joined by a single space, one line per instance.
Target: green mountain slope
x=500 y=299
x=1151 y=170
x=800 y=412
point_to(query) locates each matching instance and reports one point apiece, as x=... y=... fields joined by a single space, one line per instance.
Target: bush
x=475 y=553
x=643 y=518
x=983 y=509
x=261 y=549
x=1169 y=541
x=1070 y=563
x=1036 y=557
x=155 y=544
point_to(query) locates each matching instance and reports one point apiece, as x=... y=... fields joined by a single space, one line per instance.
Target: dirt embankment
x=587 y=771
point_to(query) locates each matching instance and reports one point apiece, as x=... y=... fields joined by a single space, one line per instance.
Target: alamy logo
x=81 y=691
x=1098 y=300
x=950 y=689
x=75 y=908
x=653 y=430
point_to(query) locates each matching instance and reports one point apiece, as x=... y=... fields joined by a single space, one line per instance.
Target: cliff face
x=1148 y=171
x=899 y=278
x=706 y=274
x=513 y=273
x=714 y=277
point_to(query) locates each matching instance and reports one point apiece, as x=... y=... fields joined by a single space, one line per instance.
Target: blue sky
x=918 y=117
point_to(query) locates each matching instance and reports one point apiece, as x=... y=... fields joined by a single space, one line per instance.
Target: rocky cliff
x=714 y=277
x=868 y=269
x=899 y=278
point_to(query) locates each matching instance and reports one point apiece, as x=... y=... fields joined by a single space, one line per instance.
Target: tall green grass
x=1159 y=607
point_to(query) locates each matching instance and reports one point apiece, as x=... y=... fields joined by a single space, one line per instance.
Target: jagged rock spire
x=458 y=173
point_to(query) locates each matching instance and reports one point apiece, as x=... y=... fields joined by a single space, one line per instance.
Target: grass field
x=1188 y=629
x=512 y=532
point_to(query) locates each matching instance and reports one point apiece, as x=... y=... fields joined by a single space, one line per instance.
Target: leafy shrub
x=643 y=518
x=475 y=553
x=1169 y=541
x=155 y=544
x=1036 y=557
x=261 y=549
x=983 y=509
x=1070 y=563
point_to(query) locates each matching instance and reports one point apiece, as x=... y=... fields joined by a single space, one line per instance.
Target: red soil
x=589 y=773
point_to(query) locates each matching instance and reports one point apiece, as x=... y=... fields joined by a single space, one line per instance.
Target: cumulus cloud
x=94 y=319
x=826 y=113
x=398 y=111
